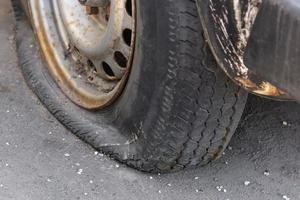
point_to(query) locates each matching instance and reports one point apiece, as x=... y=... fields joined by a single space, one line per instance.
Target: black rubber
x=178 y=110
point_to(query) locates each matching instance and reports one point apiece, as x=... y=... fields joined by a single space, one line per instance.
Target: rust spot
x=263 y=88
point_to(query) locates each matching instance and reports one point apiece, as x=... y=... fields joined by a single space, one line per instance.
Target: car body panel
x=256 y=42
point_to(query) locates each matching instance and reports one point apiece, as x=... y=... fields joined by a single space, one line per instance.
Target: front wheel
x=135 y=80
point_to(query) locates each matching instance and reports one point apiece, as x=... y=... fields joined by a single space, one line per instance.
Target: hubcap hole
x=127 y=36
x=129 y=7
x=121 y=59
x=107 y=69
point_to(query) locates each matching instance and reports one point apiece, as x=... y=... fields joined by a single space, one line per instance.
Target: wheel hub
x=97 y=39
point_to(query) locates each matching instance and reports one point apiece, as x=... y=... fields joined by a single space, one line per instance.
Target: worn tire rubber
x=178 y=110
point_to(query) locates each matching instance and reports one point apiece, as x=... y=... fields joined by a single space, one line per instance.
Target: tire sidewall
x=136 y=109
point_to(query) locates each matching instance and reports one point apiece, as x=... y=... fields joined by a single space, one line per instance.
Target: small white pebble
x=117 y=166
x=85 y=194
x=219 y=188
x=284 y=123
x=226 y=163
x=49 y=180
x=158 y=174
x=67 y=154
x=230 y=148
x=7 y=143
x=150 y=177
x=77 y=164
x=159 y=191
x=197 y=190
x=63 y=139
x=246 y=183
x=80 y=171
x=50 y=133
x=196 y=178
x=7 y=111
x=266 y=173
x=285 y=197
x=6 y=164
x=96 y=152
x=223 y=153
x=169 y=184
x=91 y=181
x=1 y=185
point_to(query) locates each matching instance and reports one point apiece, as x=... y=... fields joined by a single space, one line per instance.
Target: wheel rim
x=89 y=54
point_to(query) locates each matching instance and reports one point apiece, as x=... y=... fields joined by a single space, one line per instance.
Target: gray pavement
x=40 y=159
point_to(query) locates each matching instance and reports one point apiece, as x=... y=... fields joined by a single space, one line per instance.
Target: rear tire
x=178 y=109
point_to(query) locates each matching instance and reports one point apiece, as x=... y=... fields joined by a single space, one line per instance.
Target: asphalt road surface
x=40 y=159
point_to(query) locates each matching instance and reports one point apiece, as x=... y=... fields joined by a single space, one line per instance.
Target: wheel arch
x=227 y=27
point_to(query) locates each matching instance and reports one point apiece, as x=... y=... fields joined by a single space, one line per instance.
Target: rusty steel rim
x=89 y=51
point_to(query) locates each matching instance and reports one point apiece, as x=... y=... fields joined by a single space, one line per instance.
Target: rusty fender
x=228 y=25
